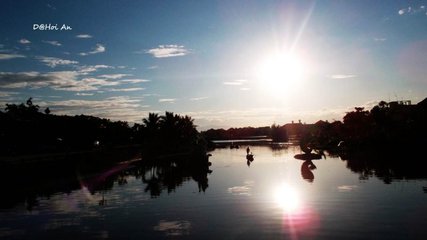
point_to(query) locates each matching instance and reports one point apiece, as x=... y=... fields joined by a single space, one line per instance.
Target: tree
x=279 y=134
x=170 y=133
x=152 y=122
x=358 y=125
x=31 y=107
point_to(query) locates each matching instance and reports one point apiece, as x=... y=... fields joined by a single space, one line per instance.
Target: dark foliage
x=171 y=134
x=275 y=132
x=385 y=126
x=26 y=130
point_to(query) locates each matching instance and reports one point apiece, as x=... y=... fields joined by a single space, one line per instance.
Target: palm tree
x=169 y=120
x=152 y=122
x=169 y=131
x=151 y=126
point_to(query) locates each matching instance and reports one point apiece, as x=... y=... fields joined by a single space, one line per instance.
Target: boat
x=308 y=156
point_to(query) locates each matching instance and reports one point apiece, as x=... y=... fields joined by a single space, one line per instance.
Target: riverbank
x=100 y=155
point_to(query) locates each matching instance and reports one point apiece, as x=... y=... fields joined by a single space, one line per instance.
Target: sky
x=224 y=63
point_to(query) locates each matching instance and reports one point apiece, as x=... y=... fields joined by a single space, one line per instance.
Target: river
x=274 y=196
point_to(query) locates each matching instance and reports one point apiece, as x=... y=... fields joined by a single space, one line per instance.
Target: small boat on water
x=308 y=156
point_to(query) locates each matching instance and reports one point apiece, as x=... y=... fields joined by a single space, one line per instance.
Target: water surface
x=275 y=196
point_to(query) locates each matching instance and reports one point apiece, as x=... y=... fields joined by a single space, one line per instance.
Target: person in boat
x=249 y=158
x=248 y=150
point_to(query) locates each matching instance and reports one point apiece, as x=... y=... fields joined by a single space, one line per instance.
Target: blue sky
x=225 y=63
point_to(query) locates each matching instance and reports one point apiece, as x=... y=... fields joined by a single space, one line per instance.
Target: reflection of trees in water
x=158 y=175
x=306 y=170
x=169 y=175
x=278 y=149
x=387 y=166
x=28 y=186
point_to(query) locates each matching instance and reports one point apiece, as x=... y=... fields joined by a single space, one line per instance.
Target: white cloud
x=93 y=68
x=98 y=49
x=6 y=56
x=402 y=11
x=342 y=76
x=369 y=104
x=235 y=82
x=115 y=108
x=413 y=10
x=198 y=98
x=7 y=94
x=98 y=82
x=67 y=81
x=126 y=89
x=119 y=101
x=53 y=43
x=164 y=51
x=53 y=62
x=167 y=100
x=83 y=36
x=84 y=94
x=259 y=117
x=380 y=39
x=134 y=80
x=114 y=76
x=24 y=41
x=8 y=77
x=153 y=67
x=63 y=80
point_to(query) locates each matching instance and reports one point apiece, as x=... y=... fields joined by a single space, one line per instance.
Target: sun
x=280 y=74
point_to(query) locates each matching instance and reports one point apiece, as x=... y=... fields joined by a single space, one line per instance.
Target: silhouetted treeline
x=275 y=132
x=170 y=134
x=24 y=129
x=386 y=125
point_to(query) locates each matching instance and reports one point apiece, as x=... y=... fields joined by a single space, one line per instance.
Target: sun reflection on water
x=298 y=219
x=287 y=198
